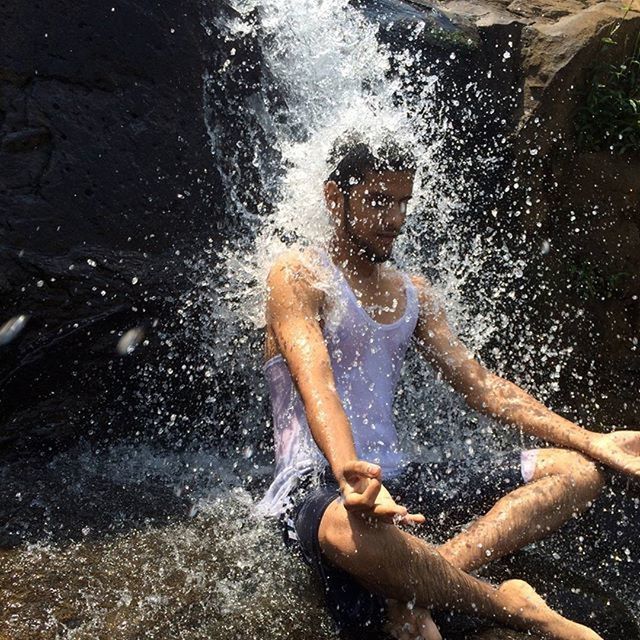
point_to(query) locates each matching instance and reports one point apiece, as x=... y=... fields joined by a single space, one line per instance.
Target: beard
x=364 y=248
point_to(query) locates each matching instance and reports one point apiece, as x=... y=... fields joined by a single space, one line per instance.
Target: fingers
x=395 y=514
x=634 y=468
x=633 y=442
x=629 y=464
x=366 y=499
x=387 y=510
x=362 y=491
x=357 y=468
x=629 y=441
x=413 y=519
x=370 y=494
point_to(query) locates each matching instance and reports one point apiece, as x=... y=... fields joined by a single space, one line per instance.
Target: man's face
x=374 y=212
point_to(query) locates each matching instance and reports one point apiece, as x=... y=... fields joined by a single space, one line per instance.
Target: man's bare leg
x=563 y=485
x=408 y=622
x=397 y=565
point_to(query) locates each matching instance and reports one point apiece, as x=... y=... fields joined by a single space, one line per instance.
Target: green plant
x=590 y=280
x=614 y=29
x=609 y=117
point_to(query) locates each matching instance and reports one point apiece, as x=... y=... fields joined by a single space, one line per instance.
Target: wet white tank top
x=366 y=358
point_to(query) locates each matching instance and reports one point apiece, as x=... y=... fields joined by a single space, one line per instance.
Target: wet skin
x=364 y=523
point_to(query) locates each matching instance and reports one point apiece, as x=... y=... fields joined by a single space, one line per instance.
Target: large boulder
x=105 y=174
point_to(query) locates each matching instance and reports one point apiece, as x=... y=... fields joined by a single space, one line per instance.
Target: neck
x=351 y=260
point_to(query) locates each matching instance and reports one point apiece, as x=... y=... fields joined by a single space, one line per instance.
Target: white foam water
x=328 y=63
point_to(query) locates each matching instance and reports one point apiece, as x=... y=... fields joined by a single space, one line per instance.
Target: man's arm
x=293 y=314
x=499 y=398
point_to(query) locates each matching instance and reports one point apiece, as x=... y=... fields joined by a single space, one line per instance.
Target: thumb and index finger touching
x=365 y=499
x=368 y=498
x=357 y=468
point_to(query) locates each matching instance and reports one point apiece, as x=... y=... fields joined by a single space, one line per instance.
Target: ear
x=334 y=199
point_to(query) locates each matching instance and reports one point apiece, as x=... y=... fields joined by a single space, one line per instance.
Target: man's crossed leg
x=404 y=568
x=564 y=483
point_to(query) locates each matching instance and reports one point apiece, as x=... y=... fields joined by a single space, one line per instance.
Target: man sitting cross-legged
x=338 y=325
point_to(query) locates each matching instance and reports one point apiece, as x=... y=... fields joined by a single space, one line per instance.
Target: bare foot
x=525 y=609
x=408 y=623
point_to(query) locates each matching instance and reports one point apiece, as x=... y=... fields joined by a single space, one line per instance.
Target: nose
x=396 y=216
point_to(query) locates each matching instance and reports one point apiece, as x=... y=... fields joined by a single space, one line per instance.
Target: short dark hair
x=351 y=156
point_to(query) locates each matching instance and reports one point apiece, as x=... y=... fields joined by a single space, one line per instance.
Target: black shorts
x=448 y=493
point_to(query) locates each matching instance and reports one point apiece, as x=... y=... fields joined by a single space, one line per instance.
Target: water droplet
x=130 y=340
x=11 y=328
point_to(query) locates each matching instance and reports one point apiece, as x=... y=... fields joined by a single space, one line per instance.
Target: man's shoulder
x=296 y=268
x=417 y=278
x=429 y=299
x=297 y=261
x=420 y=282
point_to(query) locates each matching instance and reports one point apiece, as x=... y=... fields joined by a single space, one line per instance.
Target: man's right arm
x=293 y=311
x=293 y=315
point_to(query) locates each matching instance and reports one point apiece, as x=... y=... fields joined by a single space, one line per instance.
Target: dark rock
x=105 y=161
x=425 y=25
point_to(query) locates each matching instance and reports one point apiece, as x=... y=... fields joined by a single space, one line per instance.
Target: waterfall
x=318 y=70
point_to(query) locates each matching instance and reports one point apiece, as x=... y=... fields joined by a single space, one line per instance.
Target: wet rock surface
x=105 y=173
x=136 y=541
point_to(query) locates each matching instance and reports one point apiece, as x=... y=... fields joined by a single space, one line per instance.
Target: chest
x=384 y=300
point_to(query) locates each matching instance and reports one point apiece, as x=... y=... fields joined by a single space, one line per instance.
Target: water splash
x=332 y=74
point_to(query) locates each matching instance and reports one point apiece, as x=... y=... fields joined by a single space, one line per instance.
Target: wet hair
x=351 y=157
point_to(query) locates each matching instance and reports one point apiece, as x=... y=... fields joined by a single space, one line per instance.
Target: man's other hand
x=619 y=450
x=362 y=492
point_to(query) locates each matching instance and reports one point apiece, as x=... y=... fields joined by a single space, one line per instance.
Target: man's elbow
x=482 y=392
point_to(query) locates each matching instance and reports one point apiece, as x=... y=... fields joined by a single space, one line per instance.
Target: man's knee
x=376 y=553
x=333 y=533
x=350 y=541
x=582 y=473
x=340 y=534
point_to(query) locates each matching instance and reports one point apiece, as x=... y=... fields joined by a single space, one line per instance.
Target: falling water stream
x=157 y=538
